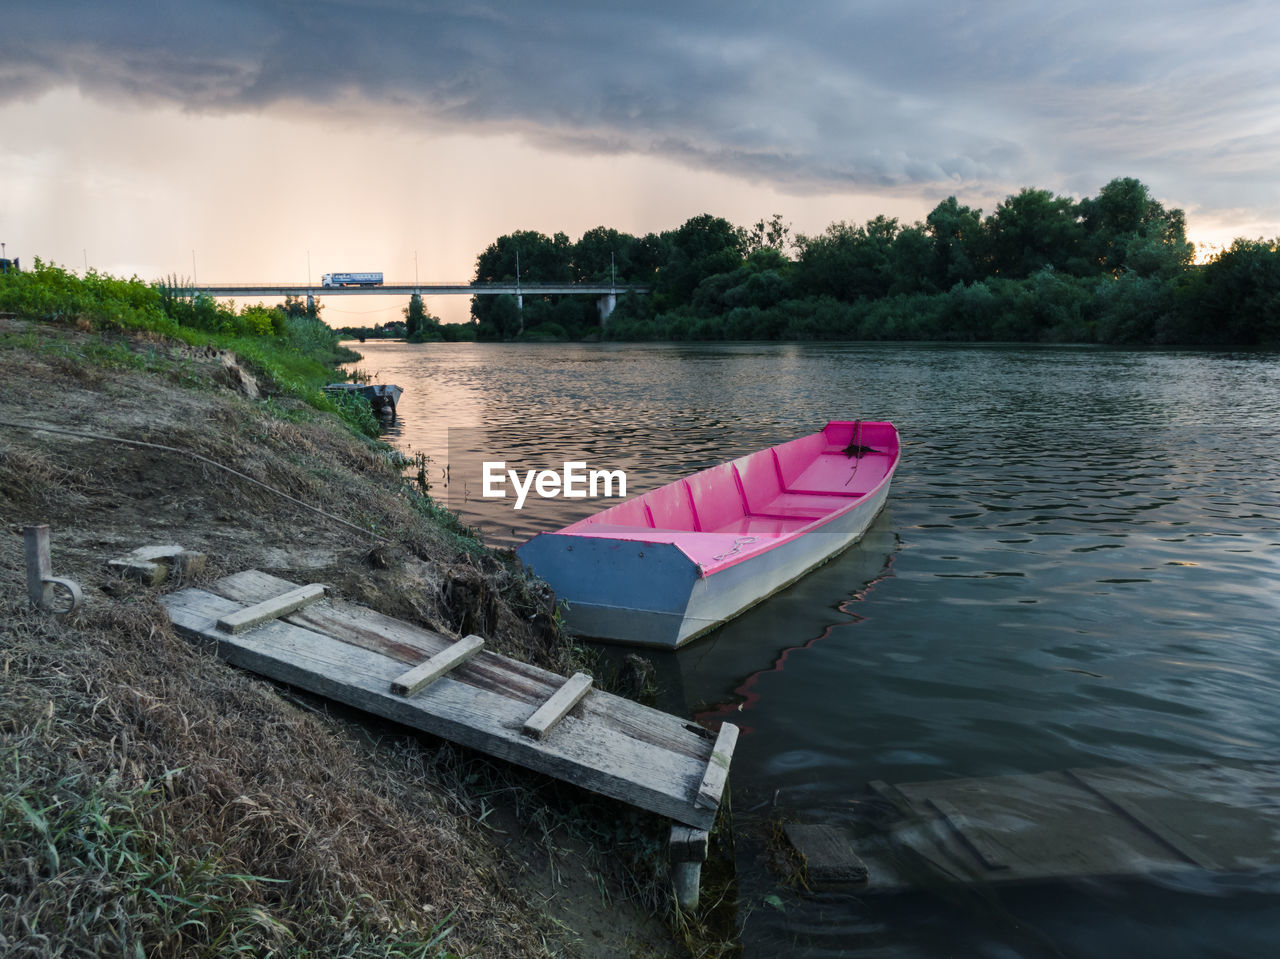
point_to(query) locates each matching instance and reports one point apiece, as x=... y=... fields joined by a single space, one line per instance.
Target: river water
x=1079 y=565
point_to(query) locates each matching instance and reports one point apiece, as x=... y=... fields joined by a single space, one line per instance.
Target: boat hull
x=382 y=397
x=664 y=588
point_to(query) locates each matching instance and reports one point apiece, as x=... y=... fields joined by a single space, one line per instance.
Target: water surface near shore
x=1079 y=566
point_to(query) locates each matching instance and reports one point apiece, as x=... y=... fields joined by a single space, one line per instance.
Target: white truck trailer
x=351 y=279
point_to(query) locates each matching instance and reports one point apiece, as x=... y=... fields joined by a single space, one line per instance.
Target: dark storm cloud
x=814 y=96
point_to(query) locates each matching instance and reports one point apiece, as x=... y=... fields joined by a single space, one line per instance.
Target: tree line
x=1115 y=268
x=418 y=326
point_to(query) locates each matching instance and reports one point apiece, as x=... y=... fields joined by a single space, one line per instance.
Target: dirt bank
x=154 y=797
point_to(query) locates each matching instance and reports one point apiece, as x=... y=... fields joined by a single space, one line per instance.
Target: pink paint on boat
x=667 y=566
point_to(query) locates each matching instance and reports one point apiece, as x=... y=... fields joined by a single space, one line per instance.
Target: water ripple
x=1085 y=570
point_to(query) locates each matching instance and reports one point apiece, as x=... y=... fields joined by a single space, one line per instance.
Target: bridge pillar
x=606 y=304
x=311 y=304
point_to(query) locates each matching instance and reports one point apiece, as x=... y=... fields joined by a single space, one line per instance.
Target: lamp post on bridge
x=609 y=301
x=519 y=295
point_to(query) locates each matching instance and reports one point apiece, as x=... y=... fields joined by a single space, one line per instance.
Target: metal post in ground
x=48 y=592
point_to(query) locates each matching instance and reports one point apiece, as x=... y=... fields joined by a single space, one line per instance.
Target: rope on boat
x=738 y=543
x=196 y=456
x=855 y=451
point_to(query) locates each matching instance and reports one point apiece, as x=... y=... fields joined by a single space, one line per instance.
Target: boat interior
x=768 y=494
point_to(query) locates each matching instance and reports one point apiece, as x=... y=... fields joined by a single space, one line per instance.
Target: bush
x=458 y=332
x=296 y=354
x=48 y=292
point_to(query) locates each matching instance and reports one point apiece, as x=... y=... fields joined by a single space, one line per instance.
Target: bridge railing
x=229 y=289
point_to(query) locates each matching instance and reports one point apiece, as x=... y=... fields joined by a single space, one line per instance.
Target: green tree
x=419 y=325
x=540 y=258
x=1236 y=299
x=603 y=254
x=959 y=244
x=502 y=321
x=771 y=235
x=1127 y=230
x=296 y=306
x=911 y=262
x=1035 y=229
x=848 y=262
x=413 y=316
x=703 y=246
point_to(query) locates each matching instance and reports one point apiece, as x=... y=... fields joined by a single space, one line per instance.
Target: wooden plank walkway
x=511 y=710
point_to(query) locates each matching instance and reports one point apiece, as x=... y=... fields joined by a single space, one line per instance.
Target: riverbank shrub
x=295 y=352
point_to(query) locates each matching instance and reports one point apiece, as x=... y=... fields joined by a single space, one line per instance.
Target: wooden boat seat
x=806 y=504
x=830 y=473
x=766 y=526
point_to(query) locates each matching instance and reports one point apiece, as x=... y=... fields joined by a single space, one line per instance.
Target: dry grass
x=154 y=801
x=154 y=798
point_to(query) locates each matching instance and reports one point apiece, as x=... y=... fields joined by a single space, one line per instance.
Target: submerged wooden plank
x=427 y=672
x=1195 y=818
x=1026 y=827
x=521 y=682
x=1182 y=845
x=971 y=834
x=717 y=772
x=596 y=756
x=268 y=609
x=555 y=708
x=827 y=851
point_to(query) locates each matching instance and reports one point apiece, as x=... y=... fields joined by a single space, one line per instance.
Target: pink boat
x=666 y=567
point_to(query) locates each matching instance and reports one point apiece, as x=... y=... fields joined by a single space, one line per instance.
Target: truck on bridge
x=351 y=279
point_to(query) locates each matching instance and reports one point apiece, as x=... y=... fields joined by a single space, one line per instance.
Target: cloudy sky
x=247 y=140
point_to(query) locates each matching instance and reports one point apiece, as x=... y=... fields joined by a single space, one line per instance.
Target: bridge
x=606 y=293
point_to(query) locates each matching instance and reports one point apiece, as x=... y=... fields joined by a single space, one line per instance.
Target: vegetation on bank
x=288 y=344
x=1115 y=268
x=418 y=326
x=155 y=801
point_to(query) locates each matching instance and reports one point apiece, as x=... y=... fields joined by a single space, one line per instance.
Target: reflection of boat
x=663 y=568
x=383 y=397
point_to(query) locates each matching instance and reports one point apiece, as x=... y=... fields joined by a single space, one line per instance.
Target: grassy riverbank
x=154 y=801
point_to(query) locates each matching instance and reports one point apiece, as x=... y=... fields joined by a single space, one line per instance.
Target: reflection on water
x=1079 y=566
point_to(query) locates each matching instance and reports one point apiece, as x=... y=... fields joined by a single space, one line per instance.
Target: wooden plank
x=554 y=709
x=594 y=755
x=689 y=844
x=1114 y=821
x=39 y=566
x=521 y=682
x=268 y=609
x=153 y=564
x=1180 y=844
x=717 y=773
x=972 y=835
x=827 y=851
x=427 y=672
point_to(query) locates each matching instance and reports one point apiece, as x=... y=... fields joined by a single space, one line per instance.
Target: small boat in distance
x=665 y=567
x=383 y=397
